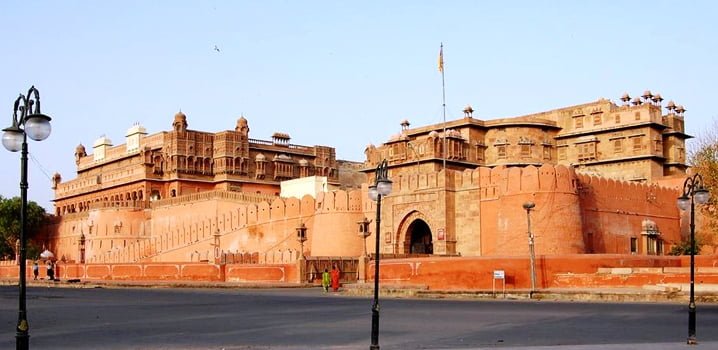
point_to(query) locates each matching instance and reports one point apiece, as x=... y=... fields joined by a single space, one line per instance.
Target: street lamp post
x=529 y=206
x=692 y=189
x=381 y=187
x=26 y=121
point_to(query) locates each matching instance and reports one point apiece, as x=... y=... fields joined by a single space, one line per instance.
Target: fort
x=185 y=204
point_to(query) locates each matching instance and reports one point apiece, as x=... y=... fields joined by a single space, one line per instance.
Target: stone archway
x=419 y=238
x=414 y=235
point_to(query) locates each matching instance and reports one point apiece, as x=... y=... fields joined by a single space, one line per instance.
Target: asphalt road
x=63 y=318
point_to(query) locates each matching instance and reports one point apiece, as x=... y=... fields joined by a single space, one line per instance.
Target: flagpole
x=443 y=100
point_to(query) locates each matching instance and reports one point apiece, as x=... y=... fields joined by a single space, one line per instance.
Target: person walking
x=326 y=279
x=335 y=278
x=35 y=270
x=50 y=271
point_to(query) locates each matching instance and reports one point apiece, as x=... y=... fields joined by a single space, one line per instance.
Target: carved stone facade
x=182 y=161
x=459 y=187
x=633 y=142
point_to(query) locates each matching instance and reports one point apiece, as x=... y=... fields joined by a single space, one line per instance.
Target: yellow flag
x=441 y=59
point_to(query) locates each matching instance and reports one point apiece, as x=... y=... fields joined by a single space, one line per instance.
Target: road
x=128 y=318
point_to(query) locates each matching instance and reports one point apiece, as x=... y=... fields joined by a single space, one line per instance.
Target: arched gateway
x=415 y=234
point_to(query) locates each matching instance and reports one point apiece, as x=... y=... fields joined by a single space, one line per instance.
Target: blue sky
x=342 y=74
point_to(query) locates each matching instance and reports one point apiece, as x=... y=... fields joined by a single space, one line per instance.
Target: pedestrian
x=35 y=269
x=326 y=279
x=50 y=271
x=335 y=278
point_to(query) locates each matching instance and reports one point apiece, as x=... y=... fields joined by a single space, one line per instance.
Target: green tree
x=10 y=225
x=703 y=159
x=684 y=247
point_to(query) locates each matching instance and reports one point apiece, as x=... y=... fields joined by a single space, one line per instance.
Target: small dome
x=671 y=104
x=80 y=149
x=260 y=157
x=242 y=121
x=303 y=162
x=647 y=94
x=433 y=133
x=180 y=116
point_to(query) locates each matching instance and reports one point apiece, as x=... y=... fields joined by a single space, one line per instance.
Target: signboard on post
x=499 y=275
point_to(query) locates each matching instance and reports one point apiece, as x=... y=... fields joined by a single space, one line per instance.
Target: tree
x=10 y=225
x=684 y=247
x=703 y=159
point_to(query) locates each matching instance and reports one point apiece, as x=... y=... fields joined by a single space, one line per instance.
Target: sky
x=335 y=73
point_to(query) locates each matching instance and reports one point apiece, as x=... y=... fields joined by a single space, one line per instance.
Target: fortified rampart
x=475 y=212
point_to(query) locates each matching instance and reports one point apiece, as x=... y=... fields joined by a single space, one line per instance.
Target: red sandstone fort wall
x=555 y=219
x=481 y=210
x=472 y=213
x=613 y=212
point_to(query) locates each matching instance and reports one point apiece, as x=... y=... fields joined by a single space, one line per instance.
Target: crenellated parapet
x=493 y=181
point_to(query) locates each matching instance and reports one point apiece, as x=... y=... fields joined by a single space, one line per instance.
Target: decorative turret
x=180 y=122
x=280 y=139
x=657 y=99
x=79 y=153
x=242 y=126
x=99 y=148
x=133 y=137
x=405 y=124
x=625 y=98
x=56 y=179
x=680 y=110
x=468 y=112
x=647 y=96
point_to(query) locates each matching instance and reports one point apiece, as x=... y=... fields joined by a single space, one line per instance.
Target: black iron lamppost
x=692 y=189
x=529 y=206
x=26 y=121
x=381 y=187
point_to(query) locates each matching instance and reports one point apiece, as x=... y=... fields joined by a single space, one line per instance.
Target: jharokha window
x=501 y=152
x=597 y=118
x=578 y=122
x=562 y=153
x=587 y=151
x=618 y=146
x=637 y=144
x=525 y=150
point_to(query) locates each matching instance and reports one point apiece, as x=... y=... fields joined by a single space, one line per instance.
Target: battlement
x=499 y=180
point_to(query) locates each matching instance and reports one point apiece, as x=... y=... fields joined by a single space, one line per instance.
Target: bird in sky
x=216 y=48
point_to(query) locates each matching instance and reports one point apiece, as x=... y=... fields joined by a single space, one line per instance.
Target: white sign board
x=499 y=274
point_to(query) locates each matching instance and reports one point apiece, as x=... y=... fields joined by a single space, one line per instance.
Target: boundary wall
x=202 y=272
x=434 y=273
x=568 y=271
